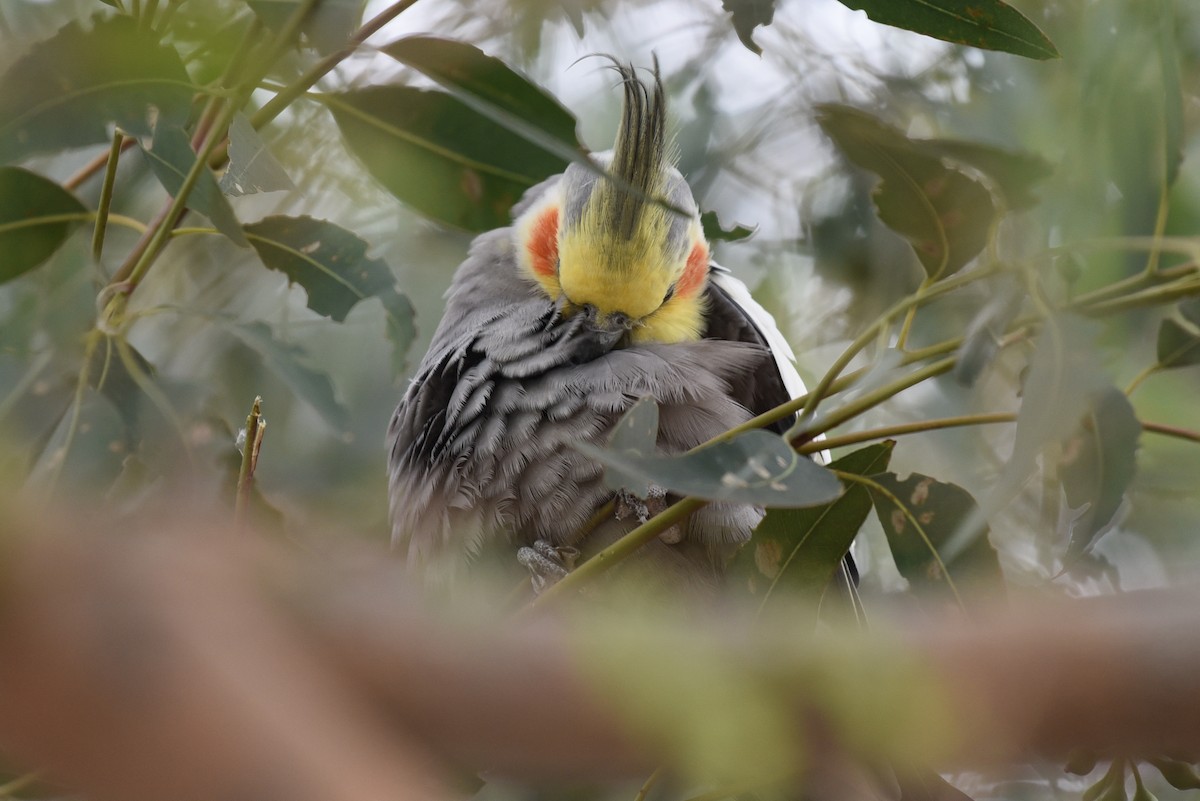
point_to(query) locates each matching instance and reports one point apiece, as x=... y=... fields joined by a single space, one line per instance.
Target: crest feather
x=640 y=150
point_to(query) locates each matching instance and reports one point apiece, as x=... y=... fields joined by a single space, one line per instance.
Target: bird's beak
x=602 y=332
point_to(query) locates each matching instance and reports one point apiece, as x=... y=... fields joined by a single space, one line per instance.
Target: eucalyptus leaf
x=987 y=24
x=171 y=158
x=252 y=168
x=69 y=89
x=97 y=449
x=1178 y=344
x=748 y=15
x=715 y=232
x=328 y=25
x=635 y=435
x=1178 y=774
x=981 y=341
x=438 y=155
x=799 y=550
x=1099 y=464
x=1015 y=173
x=35 y=220
x=755 y=467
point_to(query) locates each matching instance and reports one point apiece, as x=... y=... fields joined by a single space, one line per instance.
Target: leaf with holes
x=70 y=88
x=754 y=467
x=1099 y=463
x=798 y=550
x=328 y=25
x=987 y=24
x=747 y=15
x=252 y=168
x=715 y=232
x=36 y=217
x=922 y=518
x=171 y=158
x=944 y=214
x=438 y=155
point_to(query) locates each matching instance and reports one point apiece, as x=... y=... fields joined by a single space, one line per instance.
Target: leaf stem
x=887 y=432
x=106 y=193
x=1140 y=377
x=1172 y=431
x=59 y=459
x=256 y=428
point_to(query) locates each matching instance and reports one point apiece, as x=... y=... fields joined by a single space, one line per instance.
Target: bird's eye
x=670 y=293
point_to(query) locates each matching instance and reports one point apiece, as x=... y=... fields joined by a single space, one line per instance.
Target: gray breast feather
x=480 y=445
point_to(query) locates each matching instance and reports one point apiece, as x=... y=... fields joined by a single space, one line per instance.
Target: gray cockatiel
x=553 y=328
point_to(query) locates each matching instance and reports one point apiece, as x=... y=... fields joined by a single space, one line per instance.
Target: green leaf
x=1014 y=173
x=435 y=153
x=331 y=264
x=636 y=436
x=170 y=158
x=800 y=549
x=69 y=89
x=97 y=448
x=1099 y=463
x=755 y=467
x=1190 y=309
x=748 y=15
x=252 y=168
x=1178 y=344
x=32 y=224
x=287 y=360
x=714 y=232
x=944 y=214
x=988 y=24
x=328 y=25
x=922 y=550
x=982 y=338
x=1179 y=775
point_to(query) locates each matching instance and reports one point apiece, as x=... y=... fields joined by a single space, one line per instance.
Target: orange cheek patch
x=693 y=275
x=543 y=244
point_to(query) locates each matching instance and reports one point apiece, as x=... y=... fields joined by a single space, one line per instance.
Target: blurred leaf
x=1110 y=786
x=1063 y=376
x=988 y=24
x=506 y=97
x=286 y=360
x=1099 y=464
x=438 y=155
x=252 y=168
x=800 y=549
x=1178 y=344
x=944 y=214
x=1179 y=775
x=97 y=449
x=982 y=338
x=1014 y=172
x=170 y=158
x=924 y=784
x=31 y=228
x=635 y=435
x=1172 y=92
x=1081 y=762
x=922 y=555
x=328 y=25
x=755 y=467
x=109 y=376
x=1190 y=309
x=714 y=232
x=69 y=89
x=748 y=15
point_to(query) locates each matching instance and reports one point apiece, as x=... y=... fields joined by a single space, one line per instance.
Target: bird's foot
x=630 y=505
x=547 y=564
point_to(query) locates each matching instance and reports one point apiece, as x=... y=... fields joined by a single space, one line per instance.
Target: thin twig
x=256 y=428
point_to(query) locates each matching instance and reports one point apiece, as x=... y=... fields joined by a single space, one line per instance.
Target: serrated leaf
x=68 y=90
x=1098 y=464
x=1178 y=345
x=287 y=360
x=714 y=232
x=987 y=24
x=800 y=549
x=32 y=224
x=1015 y=173
x=921 y=550
x=755 y=467
x=328 y=25
x=945 y=215
x=436 y=154
x=170 y=158
x=252 y=168
x=748 y=15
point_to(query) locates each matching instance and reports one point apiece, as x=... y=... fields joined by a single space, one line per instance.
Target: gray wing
x=480 y=446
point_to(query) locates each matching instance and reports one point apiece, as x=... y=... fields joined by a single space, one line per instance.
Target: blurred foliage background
x=1095 y=160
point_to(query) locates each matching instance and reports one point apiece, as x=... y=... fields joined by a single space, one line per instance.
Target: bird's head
x=613 y=250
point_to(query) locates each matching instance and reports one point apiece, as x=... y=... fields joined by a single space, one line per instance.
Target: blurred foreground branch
x=181 y=662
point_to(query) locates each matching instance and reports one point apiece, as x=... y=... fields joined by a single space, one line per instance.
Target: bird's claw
x=547 y=564
x=630 y=505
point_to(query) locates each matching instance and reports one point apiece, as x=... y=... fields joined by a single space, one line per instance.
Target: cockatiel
x=553 y=328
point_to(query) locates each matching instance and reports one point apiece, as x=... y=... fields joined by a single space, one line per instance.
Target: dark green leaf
x=170 y=158
x=748 y=15
x=1190 y=309
x=1179 y=775
x=1081 y=762
x=506 y=97
x=328 y=25
x=32 y=224
x=286 y=360
x=1178 y=344
x=1014 y=173
x=921 y=549
x=799 y=549
x=1099 y=463
x=714 y=232
x=69 y=89
x=755 y=467
x=989 y=24
x=438 y=155
x=944 y=214
x=252 y=168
